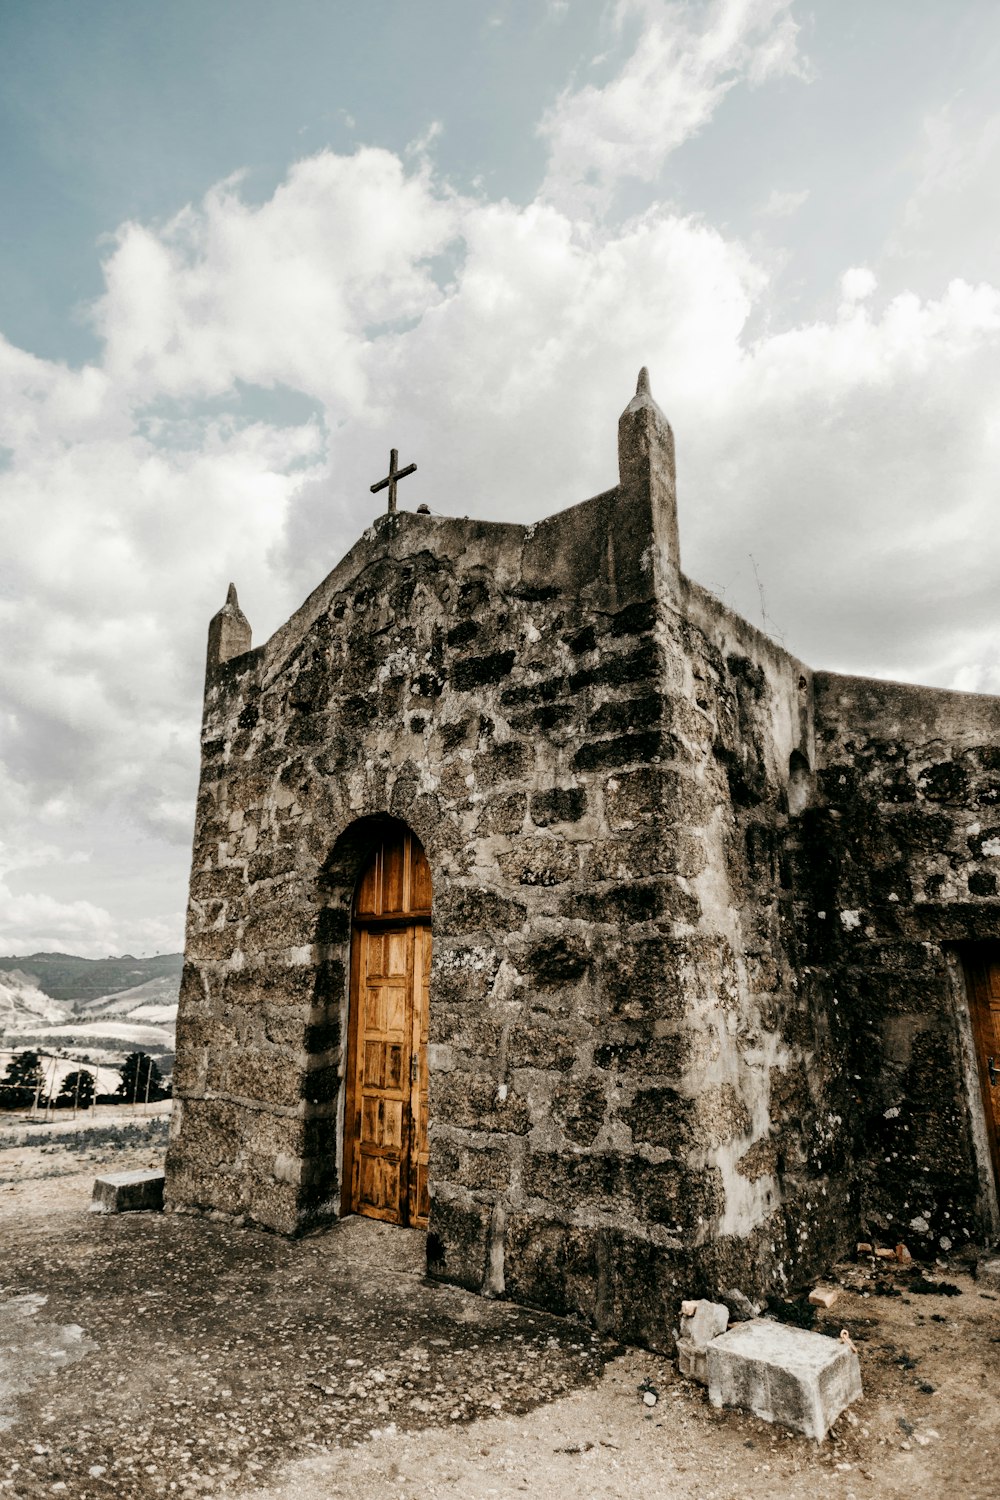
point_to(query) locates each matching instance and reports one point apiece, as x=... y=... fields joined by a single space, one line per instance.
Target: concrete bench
x=120 y=1192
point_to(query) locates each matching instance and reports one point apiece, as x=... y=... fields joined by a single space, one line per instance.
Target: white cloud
x=949 y=217
x=38 y=924
x=282 y=293
x=857 y=284
x=685 y=60
x=781 y=204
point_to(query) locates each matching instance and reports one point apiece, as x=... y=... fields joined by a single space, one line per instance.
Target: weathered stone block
x=665 y=1055
x=661 y=1117
x=546 y=719
x=471 y=1103
x=558 y=805
x=618 y=669
x=266 y=1077
x=510 y=761
x=124 y=1192
x=701 y=1322
x=464 y=909
x=546 y=691
x=802 y=1380
x=543 y=862
x=458 y=1241
x=626 y=750
x=273 y=1204
x=640 y=1289
x=641 y=979
x=580 y=1107
x=759 y=1161
x=566 y=1181
x=988 y=1274
x=551 y=1264
x=276 y=984
x=477 y=671
x=538 y=1046
x=461 y=973
x=609 y=901
x=636 y=796
x=674 y=1194
x=558 y=960
x=620 y=715
x=503 y=813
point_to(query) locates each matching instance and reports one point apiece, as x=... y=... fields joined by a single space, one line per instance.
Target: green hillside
x=66 y=977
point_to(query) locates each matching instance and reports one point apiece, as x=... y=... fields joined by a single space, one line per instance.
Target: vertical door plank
x=983 y=973
x=419 y=1199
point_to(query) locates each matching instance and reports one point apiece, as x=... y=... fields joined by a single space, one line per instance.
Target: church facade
x=540 y=901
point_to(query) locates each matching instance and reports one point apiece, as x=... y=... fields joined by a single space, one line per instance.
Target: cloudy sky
x=245 y=248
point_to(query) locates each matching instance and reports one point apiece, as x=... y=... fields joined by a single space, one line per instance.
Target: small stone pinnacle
x=642 y=384
x=231 y=596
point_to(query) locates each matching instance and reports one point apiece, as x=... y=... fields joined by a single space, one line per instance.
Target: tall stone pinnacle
x=646 y=467
x=229 y=632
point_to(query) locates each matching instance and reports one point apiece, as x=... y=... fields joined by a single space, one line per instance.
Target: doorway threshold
x=372 y=1242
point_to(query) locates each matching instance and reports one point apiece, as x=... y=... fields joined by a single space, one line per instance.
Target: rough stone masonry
x=696 y=1006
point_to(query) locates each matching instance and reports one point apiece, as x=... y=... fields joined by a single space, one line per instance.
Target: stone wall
x=900 y=859
x=524 y=699
x=681 y=890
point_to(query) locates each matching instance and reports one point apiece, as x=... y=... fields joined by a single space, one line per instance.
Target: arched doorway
x=385 y=1115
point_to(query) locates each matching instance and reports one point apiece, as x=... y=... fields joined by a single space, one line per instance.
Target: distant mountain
x=64 y=976
x=154 y=1002
x=23 y=1004
x=86 y=1008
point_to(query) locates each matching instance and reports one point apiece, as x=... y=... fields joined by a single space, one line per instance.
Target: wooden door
x=385 y=1118
x=982 y=967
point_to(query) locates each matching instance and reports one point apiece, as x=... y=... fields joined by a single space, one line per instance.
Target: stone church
x=541 y=902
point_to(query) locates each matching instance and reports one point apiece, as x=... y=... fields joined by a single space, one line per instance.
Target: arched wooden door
x=385 y=1116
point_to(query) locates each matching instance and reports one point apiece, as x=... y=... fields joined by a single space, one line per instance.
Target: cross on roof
x=392 y=476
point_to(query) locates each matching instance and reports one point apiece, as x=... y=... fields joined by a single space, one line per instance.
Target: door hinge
x=991 y=1068
x=415 y=1067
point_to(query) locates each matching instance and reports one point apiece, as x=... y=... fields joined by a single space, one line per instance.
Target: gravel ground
x=148 y=1355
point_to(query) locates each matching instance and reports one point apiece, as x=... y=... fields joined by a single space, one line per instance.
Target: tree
x=77 y=1089
x=21 y=1081
x=141 y=1078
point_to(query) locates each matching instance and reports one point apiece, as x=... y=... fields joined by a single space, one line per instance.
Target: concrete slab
x=123 y=1192
x=788 y=1375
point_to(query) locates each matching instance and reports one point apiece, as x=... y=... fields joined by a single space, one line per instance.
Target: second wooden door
x=982 y=968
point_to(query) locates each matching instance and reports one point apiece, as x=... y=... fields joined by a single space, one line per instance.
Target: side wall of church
x=901 y=869
x=790 y=1198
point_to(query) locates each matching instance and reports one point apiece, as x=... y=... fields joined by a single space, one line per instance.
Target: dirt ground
x=157 y=1355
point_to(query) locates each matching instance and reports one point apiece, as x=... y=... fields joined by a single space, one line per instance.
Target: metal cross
x=392 y=477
